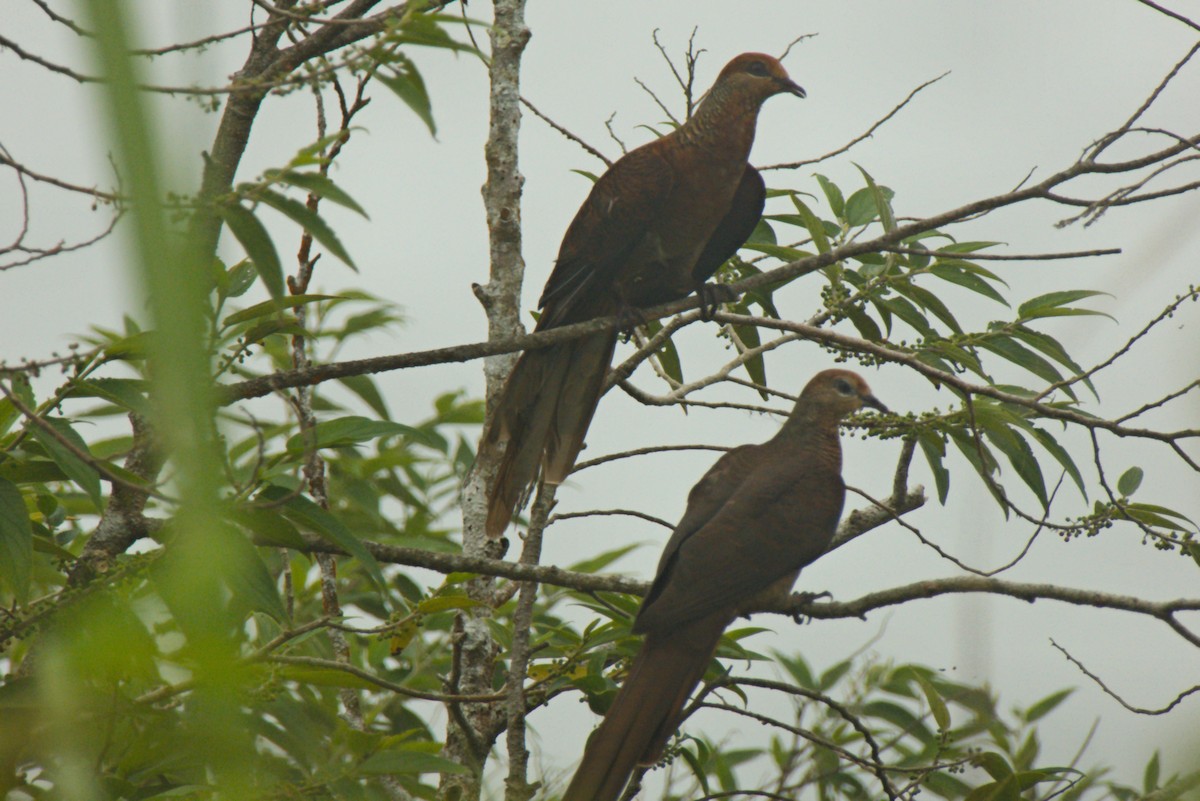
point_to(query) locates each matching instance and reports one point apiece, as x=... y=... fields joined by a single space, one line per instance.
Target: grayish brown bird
x=655 y=227
x=759 y=515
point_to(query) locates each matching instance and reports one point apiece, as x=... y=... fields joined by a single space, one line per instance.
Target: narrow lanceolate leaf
x=128 y=393
x=303 y=511
x=352 y=430
x=814 y=225
x=364 y=387
x=253 y=237
x=1046 y=705
x=407 y=84
x=1019 y=455
x=16 y=541
x=937 y=706
x=930 y=301
x=1061 y=456
x=271 y=306
x=1008 y=348
x=402 y=762
x=320 y=185
x=1052 y=348
x=307 y=219
x=955 y=274
x=756 y=366
x=76 y=468
x=1054 y=304
x=935 y=451
x=667 y=355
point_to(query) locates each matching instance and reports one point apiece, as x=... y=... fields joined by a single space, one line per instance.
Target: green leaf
x=1046 y=705
x=320 y=185
x=882 y=201
x=996 y=765
x=1018 y=354
x=909 y=313
x=1150 y=775
x=833 y=195
x=833 y=675
x=1129 y=481
x=667 y=355
x=1193 y=550
x=927 y=300
x=128 y=393
x=354 y=429
x=406 y=82
x=597 y=563
x=16 y=541
x=234 y=282
x=936 y=705
x=901 y=718
x=270 y=528
x=257 y=243
x=322 y=677
x=443 y=603
x=1019 y=455
x=778 y=251
x=364 y=387
x=862 y=207
x=865 y=325
x=1061 y=456
x=756 y=366
x=1051 y=304
x=271 y=307
x=307 y=219
x=303 y=511
x=1154 y=515
x=980 y=458
x=970 y=281
x=399 y=761
x=249 y=580
x=935 y=451
x=76 y=468
x=696 y=763
x=31 y=471
x=815 y=227
x=1051 y=347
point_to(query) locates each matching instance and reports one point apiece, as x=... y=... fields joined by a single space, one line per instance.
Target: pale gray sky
x=1031 y=83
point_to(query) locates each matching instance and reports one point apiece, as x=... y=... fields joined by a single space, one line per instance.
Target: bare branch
x=1108 y=691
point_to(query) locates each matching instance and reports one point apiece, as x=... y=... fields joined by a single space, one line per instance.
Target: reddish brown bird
x=655 y=227
x=759 y=515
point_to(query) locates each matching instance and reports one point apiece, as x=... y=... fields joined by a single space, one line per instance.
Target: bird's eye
x=843 y=387
x=757 y=68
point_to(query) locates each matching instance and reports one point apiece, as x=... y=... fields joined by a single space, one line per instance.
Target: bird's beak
x=791 y=87
x=874 y=403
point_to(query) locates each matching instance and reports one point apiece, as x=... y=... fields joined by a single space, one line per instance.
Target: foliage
x=227 y=653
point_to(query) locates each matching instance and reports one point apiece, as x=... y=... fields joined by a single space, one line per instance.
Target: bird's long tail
x=645 y=713
x=542 y=417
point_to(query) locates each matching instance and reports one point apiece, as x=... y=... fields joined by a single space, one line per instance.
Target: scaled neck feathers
x=724 y=121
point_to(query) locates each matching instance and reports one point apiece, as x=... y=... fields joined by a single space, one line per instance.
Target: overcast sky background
x=1031 y=83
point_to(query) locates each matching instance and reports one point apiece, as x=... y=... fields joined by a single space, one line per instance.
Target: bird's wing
x=704 y=501
x=779 y=518
x=623 y=204
x=735 y=227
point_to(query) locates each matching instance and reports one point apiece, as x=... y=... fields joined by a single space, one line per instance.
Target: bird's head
x=758 y=75
x=838 y=393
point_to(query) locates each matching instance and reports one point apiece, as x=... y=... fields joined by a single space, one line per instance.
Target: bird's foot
x=711 y=296
x=629 y=318
x=806 y=598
